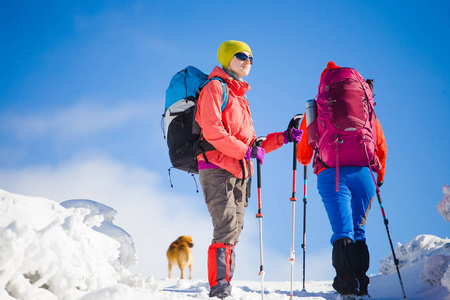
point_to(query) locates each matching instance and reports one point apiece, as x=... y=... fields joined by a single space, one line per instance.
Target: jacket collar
x=238 y=87
x=235 y=77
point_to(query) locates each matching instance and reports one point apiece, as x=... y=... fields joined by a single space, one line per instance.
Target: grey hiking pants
x=225 y=197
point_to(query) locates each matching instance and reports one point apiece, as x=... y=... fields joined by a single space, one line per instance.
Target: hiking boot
x=344 y=259
x=220 y=291
x=220 y=269
x=362 y=266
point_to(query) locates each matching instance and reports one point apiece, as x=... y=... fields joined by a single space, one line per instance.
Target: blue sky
x=82 y=93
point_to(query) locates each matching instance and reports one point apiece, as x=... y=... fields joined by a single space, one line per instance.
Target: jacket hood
x=238 y=87
x=219 y=72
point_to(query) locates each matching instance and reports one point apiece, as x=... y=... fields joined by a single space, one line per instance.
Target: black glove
x=380 y=183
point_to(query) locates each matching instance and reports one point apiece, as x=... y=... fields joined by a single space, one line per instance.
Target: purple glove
x=259 y=154
x=296 y=134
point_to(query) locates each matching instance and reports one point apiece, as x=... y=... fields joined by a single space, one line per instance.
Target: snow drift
x=52 y=252
x=73 y=250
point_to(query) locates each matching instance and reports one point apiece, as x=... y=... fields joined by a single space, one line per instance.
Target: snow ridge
x=74 y=251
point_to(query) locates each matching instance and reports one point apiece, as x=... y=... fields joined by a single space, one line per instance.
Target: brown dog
x=179 y=253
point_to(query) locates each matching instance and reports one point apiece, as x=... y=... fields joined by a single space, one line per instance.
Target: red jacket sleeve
x=273 y=141
x=381 y=151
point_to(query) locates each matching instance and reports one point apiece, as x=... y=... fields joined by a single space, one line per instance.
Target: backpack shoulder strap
x=224 y=91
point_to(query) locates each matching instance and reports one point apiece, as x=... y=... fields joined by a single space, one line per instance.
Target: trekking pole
x=259 y=215
x=293 y=199
x=386 y=222
x=305 y=170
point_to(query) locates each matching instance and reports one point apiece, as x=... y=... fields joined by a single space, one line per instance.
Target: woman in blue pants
x=347 y=193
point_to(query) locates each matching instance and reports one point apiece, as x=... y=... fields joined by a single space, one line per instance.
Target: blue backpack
x=183 y=132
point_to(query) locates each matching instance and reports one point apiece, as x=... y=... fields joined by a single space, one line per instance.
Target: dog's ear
x=190 y=241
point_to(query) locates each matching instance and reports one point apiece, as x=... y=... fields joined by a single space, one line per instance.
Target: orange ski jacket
x=230 y=131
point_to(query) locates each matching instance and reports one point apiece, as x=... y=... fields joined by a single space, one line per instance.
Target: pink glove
x=296 y=135
x=259 y=153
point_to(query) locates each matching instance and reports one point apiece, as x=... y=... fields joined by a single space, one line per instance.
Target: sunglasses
x=244 y=57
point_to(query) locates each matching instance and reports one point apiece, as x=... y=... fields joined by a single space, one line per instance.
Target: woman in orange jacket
x=223 y=171
x=347 y=208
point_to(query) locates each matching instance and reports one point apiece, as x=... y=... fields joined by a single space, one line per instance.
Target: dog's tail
x=183 y=253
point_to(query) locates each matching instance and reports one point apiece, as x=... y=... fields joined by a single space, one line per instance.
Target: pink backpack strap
x=337 y=164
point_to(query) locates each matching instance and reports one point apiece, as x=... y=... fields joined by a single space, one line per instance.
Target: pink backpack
x=345 y=120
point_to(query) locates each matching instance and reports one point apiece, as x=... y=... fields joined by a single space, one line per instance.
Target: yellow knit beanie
x=228 y=49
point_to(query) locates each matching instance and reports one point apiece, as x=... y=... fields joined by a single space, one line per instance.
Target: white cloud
x=84 y=118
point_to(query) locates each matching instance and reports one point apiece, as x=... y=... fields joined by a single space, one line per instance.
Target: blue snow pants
x=348 y=208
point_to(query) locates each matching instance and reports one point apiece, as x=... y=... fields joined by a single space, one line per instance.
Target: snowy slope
x=75 y=251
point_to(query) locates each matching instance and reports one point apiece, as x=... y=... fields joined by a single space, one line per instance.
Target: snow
x=73 y=250
x=100 y=217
